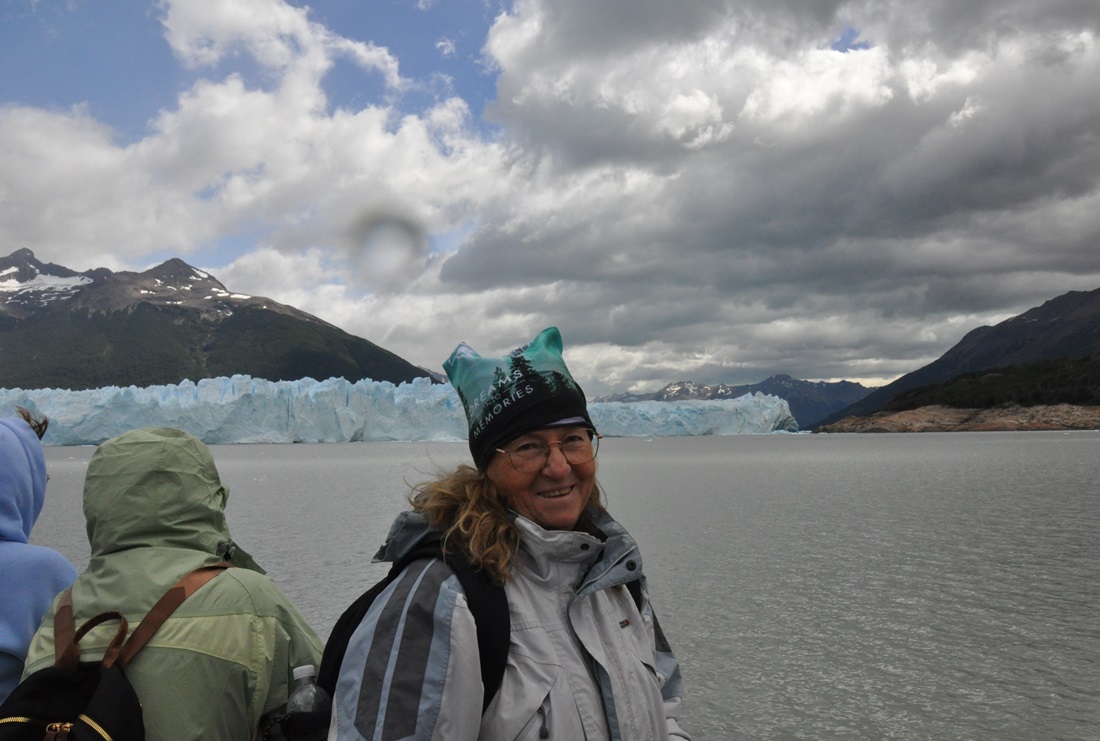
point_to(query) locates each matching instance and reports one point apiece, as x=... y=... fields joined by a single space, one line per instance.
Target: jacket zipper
x=593 y=665
x=544 y=731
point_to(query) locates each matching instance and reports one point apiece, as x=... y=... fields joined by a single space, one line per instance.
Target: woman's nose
x=556 y=462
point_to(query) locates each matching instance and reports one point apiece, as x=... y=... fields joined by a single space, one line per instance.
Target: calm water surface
x=932 y=586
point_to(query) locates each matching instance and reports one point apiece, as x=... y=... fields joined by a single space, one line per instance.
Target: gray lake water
x=931 y=586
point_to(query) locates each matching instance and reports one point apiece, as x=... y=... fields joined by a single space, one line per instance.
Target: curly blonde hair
x=472 y=513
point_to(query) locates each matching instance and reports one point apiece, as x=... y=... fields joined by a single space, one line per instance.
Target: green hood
x=157 y=487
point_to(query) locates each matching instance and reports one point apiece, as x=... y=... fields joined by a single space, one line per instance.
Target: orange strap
x=67 y=638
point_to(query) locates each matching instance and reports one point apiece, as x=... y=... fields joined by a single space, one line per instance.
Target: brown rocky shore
x=949 y=419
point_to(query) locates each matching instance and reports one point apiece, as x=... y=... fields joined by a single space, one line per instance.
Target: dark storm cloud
x=695 y=190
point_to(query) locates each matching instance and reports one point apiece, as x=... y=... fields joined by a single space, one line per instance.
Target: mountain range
x=60 y=328
x=1049 y=354
x=809 y=401
x=1063 y=328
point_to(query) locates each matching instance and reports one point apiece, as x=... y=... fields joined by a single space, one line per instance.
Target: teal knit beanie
x=528 y=389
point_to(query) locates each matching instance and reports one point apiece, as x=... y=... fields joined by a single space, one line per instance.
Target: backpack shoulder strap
x=165 y=606
x=64 y=628
x=487 y=602
x=66 y=636
x=489 y=605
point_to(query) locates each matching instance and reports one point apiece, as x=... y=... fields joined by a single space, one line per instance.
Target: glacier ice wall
x=242 y=409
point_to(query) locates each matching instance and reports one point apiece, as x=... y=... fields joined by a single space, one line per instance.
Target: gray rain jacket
x=584 y=661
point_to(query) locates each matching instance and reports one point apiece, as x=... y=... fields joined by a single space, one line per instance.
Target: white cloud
x=278 y=36
x=446 y=47
x=700 y=190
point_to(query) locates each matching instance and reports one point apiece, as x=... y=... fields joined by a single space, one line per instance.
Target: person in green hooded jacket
x=221 y=665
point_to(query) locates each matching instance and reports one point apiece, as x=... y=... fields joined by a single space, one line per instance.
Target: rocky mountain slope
x=60 y=328
x=1007 y=418
x=1064 y=327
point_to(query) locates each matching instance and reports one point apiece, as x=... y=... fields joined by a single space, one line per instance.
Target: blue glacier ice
x=242 y=409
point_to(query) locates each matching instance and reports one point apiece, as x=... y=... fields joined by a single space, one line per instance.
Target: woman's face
x=555 y=495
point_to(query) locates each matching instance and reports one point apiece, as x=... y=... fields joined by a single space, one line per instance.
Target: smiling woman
x=551 y=486
x=586 y=657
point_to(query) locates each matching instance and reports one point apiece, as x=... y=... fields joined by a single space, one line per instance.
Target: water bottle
x=307 y=709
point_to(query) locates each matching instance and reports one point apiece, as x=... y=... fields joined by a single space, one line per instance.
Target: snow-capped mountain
x=28 y=286
x=809 y=401
x=60 y=328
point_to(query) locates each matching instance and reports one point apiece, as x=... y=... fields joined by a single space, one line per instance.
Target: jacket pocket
x=539 y=726
x=522 y=708
x=638 y=643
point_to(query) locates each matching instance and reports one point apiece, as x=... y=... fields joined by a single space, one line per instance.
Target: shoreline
x=1009 y=418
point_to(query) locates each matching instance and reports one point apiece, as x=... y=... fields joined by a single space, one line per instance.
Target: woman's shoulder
x=420 y=589
x=429 y=574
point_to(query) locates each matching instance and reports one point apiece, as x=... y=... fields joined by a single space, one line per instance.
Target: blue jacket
x=30 y=575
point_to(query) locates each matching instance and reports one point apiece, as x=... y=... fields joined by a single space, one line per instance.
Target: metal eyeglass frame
x=529 y=464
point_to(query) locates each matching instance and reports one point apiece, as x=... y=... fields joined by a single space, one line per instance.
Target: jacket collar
x=607 y=553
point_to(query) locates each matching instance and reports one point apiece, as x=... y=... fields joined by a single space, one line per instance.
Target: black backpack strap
x=489 y=605
x=487 y=601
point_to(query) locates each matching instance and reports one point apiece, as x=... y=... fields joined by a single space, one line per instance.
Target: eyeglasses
x=533 y=455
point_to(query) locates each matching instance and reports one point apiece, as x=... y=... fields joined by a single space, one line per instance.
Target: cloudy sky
x=697 y=190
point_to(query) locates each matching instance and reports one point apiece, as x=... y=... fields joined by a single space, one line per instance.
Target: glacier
x=242 y=409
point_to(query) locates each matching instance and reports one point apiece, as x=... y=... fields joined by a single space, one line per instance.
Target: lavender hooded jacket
x=30 y=575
